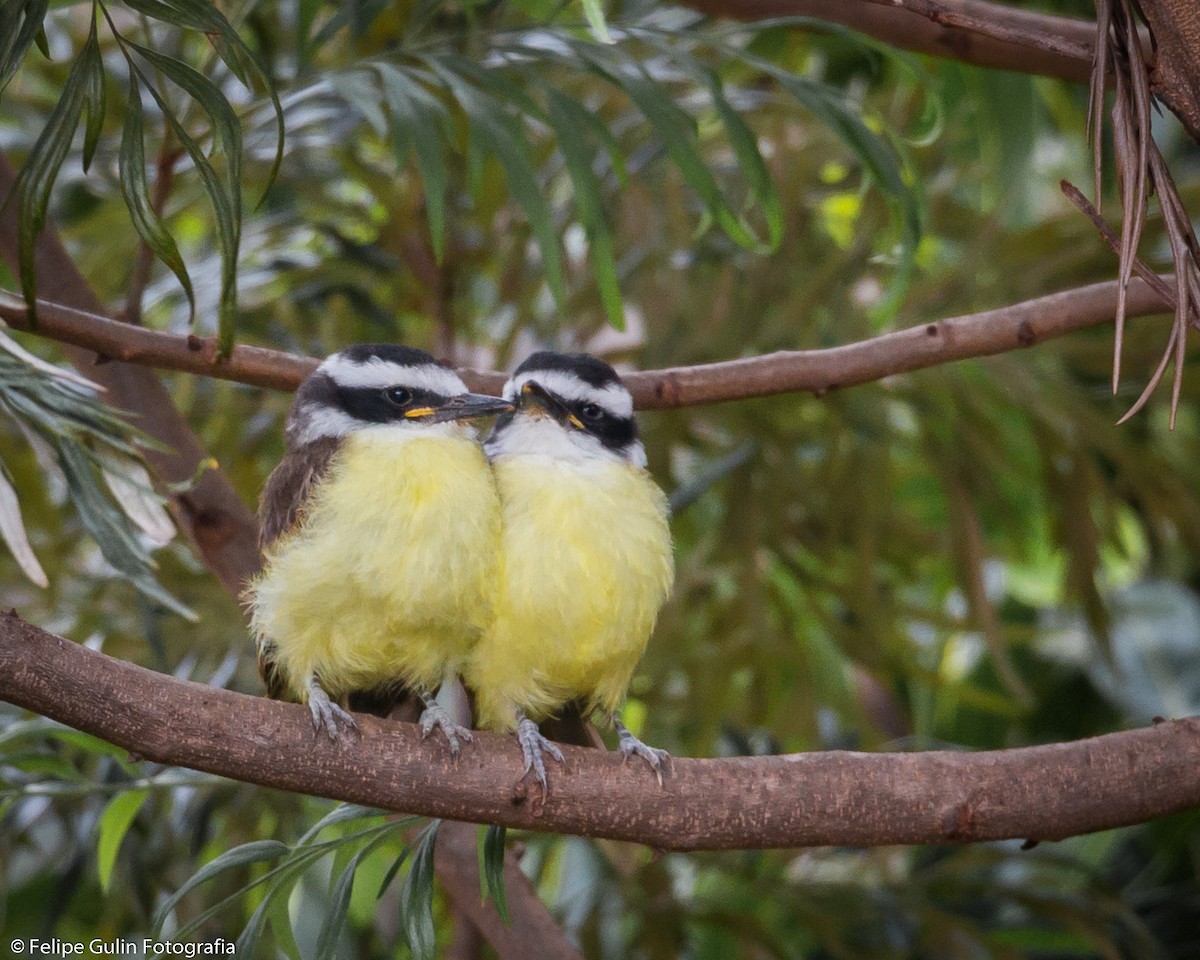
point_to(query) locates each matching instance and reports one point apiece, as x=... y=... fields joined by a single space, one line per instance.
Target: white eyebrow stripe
x=613 y=397
x=380 y=373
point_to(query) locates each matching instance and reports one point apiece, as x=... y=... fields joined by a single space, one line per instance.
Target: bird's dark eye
x=591 y=411
x=398 y=395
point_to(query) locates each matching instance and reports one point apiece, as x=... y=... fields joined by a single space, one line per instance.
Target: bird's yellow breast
x=389 y=575
x=585 y=565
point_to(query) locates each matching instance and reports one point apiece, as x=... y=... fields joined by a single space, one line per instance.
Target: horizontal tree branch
x=787 y=371
x=815 y=799
x=973 y=31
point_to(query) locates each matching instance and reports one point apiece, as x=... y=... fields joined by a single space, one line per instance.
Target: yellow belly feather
x=585 y=565
x=390 y=575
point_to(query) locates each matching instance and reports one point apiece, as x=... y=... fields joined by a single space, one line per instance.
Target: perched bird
x=586 y=559
x=380 y=530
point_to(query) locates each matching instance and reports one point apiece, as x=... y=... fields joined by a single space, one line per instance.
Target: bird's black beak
x=534 y=395
x=466 y=406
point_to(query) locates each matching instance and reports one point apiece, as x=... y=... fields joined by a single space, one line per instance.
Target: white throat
x=539 y=435
x=329 y=422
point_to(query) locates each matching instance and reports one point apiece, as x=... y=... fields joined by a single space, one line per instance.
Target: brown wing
x=281 y=507
x=289 y=487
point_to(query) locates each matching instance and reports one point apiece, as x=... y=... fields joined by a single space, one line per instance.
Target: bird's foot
x=434 y=717
x=631 y=746
x=327 y=714
x=533 y=745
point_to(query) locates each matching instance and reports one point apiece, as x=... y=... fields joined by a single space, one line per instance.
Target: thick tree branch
x=1006 y=37
x=819 y=799
x=786 y=371
x=1175 y=72
x=973 y=31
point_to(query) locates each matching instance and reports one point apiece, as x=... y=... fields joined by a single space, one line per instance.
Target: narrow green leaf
x=334 y=922
x=570 y=131
x=306 y=15
x=593 y=121
x=494 y=127
x=281 y=927
x=247 y=941
x=20 y=24
x=594 y=13
x=870 y=149
x=204 y=17
x=136 y=191
x=129 y=482
x=342 y=813
x=39 y=173
x=674 y=127
x=93 y=68
x=228 y=213
x=358 y=89
x=279 y=881
x=492 y=869
x=227 y=128
x=339 y=901
x=257 y=851
x=420 y=119
x=12 y=532
x=100 y=516
x=416 y=896
x=391 y=873
x=753 y=167
x=108 y=525
x=115 y=822
x=241 y=60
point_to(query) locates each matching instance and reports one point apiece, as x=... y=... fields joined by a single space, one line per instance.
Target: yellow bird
x=379 y=529
x=586 y=560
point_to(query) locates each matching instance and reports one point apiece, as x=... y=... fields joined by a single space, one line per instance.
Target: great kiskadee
x=380 y=530
x=586 y=559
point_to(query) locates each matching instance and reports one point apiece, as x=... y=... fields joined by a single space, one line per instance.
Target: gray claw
x=434 y=717
x=327 y=714
x=631 y=746
x=533 y=745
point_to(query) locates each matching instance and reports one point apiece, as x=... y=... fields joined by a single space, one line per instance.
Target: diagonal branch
x=786 y=371
x=817 y=799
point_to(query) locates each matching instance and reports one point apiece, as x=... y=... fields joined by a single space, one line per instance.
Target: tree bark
x=973 y=31
x=786 y=371
x=1175 y=72
x=814 y=799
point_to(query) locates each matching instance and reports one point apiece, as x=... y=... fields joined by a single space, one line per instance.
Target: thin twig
x=1109 y=236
